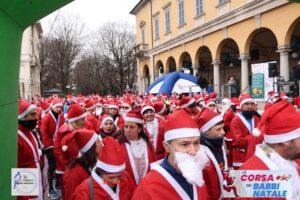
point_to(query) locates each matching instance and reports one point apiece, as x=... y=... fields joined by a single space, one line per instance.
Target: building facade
x=29 y=82
x=215 y=38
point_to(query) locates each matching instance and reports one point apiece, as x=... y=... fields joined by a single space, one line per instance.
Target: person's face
x=212 y=107
x=148 y=115
x=125 y=108
x=32 y=115
x=293 y=149
x=99 y=146
x=216 y=131
x=108 y=126
x=248 y=106
x=57 y=109
x=112 y=179
x=131 y=130
x=189 y=145
x=113 y=111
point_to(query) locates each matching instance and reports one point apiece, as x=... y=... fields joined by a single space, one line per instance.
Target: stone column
x=152 y=78
x=216 y=63
x=245 y=87
x=284 y=61
x=139 y=79
x=195 y=68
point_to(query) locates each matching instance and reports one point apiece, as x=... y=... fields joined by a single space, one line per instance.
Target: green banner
x=258 y=86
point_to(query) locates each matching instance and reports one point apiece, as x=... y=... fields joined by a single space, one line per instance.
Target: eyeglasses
x=125 y=108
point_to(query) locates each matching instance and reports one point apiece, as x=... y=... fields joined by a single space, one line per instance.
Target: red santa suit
x=130 y=152
x=102 y=191
x=119 y=122
x=72 y=178
x=213 y=175
x=228 y=116
x=155 y=131
x=49 y=128
x=29 y=156
x=158 y=184
x=244 y=141
x=94 y=121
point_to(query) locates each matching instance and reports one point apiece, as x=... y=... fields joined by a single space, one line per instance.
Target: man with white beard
x=125 y=107
x=179 y=174
x=281 y=147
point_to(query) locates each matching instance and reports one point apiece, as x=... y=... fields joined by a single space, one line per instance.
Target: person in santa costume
x=75 y=120
x=241 y=128
x=229 y=183
x=189 y=105
x=212 y=138
x=113 y=110
x=29 y=151
x=137 y=149
x=109 y=180
x=272 y=98
x=179 y=175
x=90 y=117
x=281 y=148
x=88 y=144
x=160 y=109
x=126 y=107
x=50 y=125
x=107 y=126
x=154 y=127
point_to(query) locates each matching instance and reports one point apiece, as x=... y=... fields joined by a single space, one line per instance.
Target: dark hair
x=87 y=160
x=122 y=138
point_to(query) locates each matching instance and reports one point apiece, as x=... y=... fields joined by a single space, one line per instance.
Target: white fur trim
x=246 y=100
x=162 y=110
x=211 y=123
x=211 y=103
x=188 y=103
x=110 y=168
x=58 y=104
x=105 y=119
x=126 y=104
x=113 y=106
x=147 y=108
x=256 y=132
x=181 y=133
x=91 y=107
x=76 y=118
x=274 y=139
x=64 y=148
x=28 y=110
x=89 y=144
x=133 y=119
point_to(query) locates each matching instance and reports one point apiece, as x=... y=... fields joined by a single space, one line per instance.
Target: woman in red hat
x=136 y=146
x=107 y=126
x=84 y=146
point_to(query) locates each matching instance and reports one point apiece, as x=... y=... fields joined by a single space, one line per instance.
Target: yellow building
x=216 y=38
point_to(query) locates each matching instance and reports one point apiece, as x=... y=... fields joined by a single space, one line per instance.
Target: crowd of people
x=154 y=146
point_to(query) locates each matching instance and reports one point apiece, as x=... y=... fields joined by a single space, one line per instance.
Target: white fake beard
x=123 y=113
x=291 y=166
x=98 y=111
x=191 y=166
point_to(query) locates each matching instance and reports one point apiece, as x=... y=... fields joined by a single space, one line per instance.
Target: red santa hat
x=273 y=94
x=75 y=112
x=208 y=119
x=147 y=107
x=105 y=118
x=210 y=102
x=283 y=96
x=110 y=158
x=127 y=103
x=213 y=96
x=245 y=98
x=56 y=103
x=198 y=98
x=159 y=107
x=89 y=104
x=186 y=101
x=288 y=128
x=180 y=125
x=134 y=116
x=45 y=105
x=81 y=139
x=25 y=107
x=113 y=105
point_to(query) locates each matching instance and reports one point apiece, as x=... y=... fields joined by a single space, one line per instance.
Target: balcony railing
x=140 y=50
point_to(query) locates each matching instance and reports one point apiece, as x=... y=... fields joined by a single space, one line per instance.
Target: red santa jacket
x=72 y=178
x=29 y=156
x=213 y=175
x=119 y=122
x=243 y=141
x=228 y=116
x=158 y=138
x=102 y=191
x=49 y=128
x=158 y=184
x=130 y=164
x=94 y=121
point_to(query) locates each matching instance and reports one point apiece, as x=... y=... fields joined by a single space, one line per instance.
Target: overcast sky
x=94 y=13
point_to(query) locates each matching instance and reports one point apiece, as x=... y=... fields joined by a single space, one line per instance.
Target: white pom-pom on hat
x=64 y=148
x=256 y=132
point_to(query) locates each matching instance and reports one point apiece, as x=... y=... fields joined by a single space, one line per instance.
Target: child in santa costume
x=154 y=127
x=212 y=138
x=137 y=149
x=88 y=145
x=281 y=148
x=178 y=175
x=29 y=151
x=109 y=180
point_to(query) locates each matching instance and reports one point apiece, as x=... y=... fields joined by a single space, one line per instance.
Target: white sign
x=25 y=182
